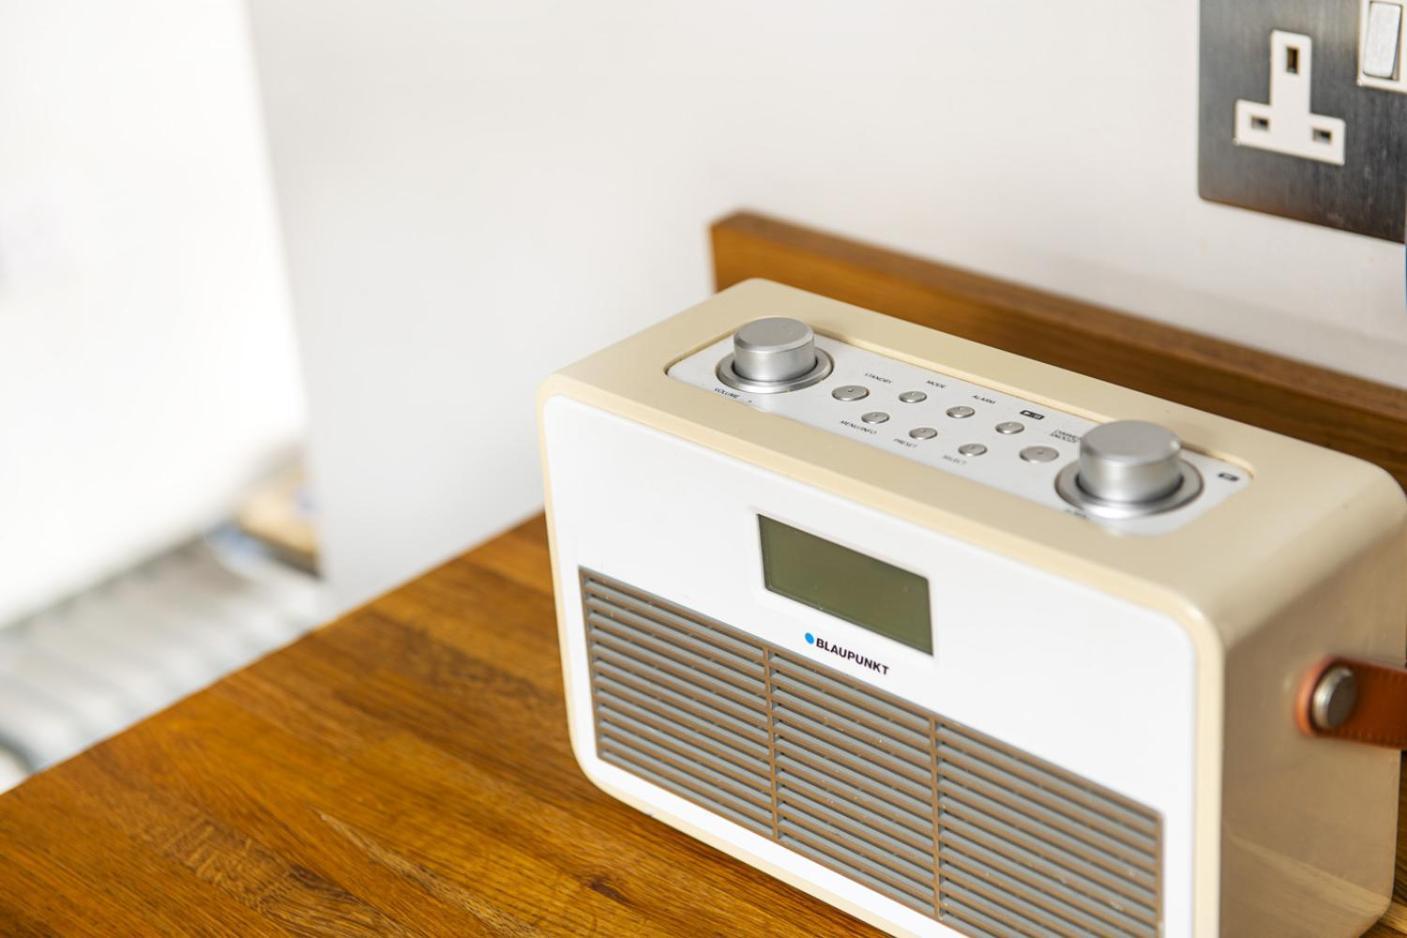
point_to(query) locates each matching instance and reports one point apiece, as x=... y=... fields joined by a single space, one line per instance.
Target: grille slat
x=694 y=769
x=920 y=840
x=842 y=781
x=868 y=724
x=747 y=723
x=909 y=878
x=964 y=749
x=862 y=738
x=1042 y=889
x=1036 y=904
x=790 y=770
x=725 y=662
x=840 y=858
x=1067 y=816
x=873 y=830
x=932 y=814
x=736 y=736
x=917 y=769
x=685 y=747
x=1058 y=852
x=653 y=613
x=960 y=903
x=629 y=655
x=991 y=802
x=666 y=776
x=813 y=748
x=1118 y=892
x=890 y=715
x=612 y=631
x=722 y=744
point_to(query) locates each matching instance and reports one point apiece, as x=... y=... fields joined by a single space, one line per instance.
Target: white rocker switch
x=1380 y=46
x=1380 y=43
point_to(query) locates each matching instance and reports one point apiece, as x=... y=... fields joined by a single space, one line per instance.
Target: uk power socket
x=1290 y=122
x=1286 y=123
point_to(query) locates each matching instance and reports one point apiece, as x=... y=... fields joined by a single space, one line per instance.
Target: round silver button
x=875 y=416
x=972 y=449
x=850 y=392
x=774 y=354
x=1010 y=426
x=774 y=349
x=1040 y=454
x=923 y=433
x=1130 y=461
x=960 y=412
x=913 y=397
x=1129 y=468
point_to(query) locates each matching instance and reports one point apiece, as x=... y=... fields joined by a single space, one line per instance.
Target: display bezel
x=854 y=586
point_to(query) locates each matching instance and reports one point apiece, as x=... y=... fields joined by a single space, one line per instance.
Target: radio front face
x=798 y=678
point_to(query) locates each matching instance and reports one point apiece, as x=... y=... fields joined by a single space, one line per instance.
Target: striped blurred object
x=93 y=665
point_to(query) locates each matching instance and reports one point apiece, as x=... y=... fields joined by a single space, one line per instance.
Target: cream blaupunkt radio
x=965 y=644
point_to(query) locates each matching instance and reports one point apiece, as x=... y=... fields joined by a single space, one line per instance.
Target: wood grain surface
x=403 y=771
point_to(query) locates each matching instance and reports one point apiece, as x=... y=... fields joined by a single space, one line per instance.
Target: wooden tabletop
x=403 y=771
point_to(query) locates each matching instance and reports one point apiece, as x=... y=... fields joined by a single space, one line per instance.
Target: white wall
x=475 y=193
x=146 y=356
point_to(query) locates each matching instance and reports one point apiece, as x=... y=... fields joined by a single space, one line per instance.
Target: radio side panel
x=1308 y=833
x=1059 y=673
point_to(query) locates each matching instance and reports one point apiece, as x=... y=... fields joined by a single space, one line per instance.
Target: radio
x=966 y=644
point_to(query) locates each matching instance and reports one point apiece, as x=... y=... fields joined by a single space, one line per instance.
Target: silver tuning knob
x=1129 y=468
x=774 y=354
x=1130 y=461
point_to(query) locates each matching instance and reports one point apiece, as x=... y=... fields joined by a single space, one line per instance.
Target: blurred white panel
x=476 y=192
x=147 y=369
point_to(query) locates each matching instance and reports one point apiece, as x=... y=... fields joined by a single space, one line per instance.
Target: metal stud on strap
x=1361 y=701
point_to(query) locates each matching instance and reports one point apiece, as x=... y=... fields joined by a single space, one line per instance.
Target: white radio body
x=859 y=614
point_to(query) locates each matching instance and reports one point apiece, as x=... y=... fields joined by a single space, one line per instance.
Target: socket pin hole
x=1323 y=136
x=1262 y=123
x=1292 y=60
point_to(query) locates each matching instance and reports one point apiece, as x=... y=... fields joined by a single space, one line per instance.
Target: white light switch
x=1380 y=45
x=1383 y=37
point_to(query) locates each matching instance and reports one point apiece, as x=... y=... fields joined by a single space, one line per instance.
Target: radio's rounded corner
x=555 y=385
x=584 y=752
x=1383 y=499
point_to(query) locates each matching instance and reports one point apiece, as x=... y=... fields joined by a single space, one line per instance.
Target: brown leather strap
x=1378 y=715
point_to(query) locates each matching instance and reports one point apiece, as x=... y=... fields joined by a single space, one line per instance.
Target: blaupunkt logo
x=848 y=654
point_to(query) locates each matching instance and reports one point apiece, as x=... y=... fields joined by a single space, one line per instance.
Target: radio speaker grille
x=947 y=821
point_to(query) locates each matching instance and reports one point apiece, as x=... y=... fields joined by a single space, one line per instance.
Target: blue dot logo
x=810 y=639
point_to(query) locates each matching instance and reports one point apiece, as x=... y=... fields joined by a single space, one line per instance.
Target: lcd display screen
x=847 y=584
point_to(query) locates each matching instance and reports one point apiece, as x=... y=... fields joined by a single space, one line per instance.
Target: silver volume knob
x=1128 y=468
x=774 y=349
x=774 y=354
x=1130 y=461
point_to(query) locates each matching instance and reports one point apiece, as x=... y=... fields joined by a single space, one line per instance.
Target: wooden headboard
x=1315 y=404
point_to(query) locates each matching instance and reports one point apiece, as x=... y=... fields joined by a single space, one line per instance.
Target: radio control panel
x=1131 y=476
